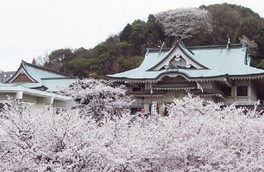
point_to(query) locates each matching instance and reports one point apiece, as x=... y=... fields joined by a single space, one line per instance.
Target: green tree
x=83 y=53
x=57 y=57
x=78 y=66
x=124 y=35
x=225 y=22
x=260 y=42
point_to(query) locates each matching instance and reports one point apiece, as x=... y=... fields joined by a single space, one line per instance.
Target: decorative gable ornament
x=178 y=57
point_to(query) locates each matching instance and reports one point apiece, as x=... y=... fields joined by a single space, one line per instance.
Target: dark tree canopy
x=124 y=35
x=57 y=57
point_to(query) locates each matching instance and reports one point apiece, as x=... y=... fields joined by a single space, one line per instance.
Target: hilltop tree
x=260 y=41
x=233 y=21
x=57 y=57
x=124 y=35
x=145 y=35
x=155 y=32
x=184 y=23
x=226 y=22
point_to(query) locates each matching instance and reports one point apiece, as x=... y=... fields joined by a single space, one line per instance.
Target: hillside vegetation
x=206 y=25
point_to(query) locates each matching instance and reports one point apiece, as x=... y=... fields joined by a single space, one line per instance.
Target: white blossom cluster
x=98 y=98
x=184 y=22
x=197 y=135
x=251 y=44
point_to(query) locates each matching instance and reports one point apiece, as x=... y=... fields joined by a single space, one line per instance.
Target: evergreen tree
x=126 y=33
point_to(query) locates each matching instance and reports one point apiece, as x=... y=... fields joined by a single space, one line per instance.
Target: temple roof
x=35 y=77
x=193 y=63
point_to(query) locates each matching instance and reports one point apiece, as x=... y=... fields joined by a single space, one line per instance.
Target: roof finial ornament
x=244 y=46
x=178 y=39
x=228 y=43
x=161 y=46
x=34 y=61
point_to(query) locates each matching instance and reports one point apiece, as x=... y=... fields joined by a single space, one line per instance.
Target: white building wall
x=39 y=102
x=4 y=96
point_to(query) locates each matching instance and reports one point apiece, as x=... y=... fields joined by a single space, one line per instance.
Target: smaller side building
x=34 y=84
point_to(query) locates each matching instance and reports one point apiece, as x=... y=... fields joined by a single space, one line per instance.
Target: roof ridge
x=48 y=78
x=198 y=46
x=215 y=46
x=46 y=69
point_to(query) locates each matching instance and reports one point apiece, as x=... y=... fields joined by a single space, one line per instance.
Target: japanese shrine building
x=217 y=73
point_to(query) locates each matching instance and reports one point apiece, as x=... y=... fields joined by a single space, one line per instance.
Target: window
x=226 y=91
x=136 y=89
x=242 y=91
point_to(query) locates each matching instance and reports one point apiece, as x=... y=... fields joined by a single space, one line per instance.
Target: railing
x=241 y=101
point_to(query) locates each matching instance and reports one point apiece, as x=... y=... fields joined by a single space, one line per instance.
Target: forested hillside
x=206 y=25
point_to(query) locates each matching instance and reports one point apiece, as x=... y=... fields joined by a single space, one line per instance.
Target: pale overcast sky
x=32 y=28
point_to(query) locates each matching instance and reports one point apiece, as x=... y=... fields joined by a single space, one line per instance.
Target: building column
x=249 y=90
x=146 y=107
x=161 y=109
x=154 y=107
x=19 y=95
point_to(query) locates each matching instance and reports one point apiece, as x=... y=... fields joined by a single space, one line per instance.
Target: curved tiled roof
x=217 y=61
x=41 y=78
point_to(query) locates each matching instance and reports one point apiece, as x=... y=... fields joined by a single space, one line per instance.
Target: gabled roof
x=32 y=76
x=214 y=62
x=189 y=55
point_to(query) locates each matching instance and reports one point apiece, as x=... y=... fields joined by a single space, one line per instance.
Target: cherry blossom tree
x=37 y=139
x=184 y=22
x=197 y=135
x=252 y=45
x=99 y=98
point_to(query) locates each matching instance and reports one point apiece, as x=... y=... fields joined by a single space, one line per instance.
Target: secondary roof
x=35 y=77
